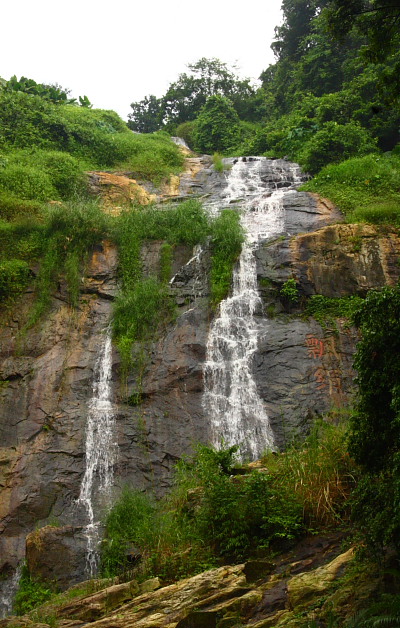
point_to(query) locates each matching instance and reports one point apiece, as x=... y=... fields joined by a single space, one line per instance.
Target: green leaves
x=217 y=126
x=226 y=243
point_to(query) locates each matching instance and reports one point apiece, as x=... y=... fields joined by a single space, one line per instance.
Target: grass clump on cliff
x=144 y=303
x=366 y=189
x=227 y=237
x=326 y=310
x=69 y=233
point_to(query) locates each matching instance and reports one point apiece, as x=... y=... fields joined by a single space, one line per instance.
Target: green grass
x=319 y=472
x=93 y=137
x=213 y=517
x=325 y=309
x=366 y=189
x=31 y=593
x=227 y=237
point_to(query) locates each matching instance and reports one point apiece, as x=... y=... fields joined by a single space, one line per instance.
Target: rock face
x=46 y=375
x=285 y=594
x=56 y=554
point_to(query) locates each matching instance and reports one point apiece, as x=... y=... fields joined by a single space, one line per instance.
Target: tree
x=375 y=428
x=55 y=93
x=375 y=435
x=207 y=77
x=378 y=20
x=217 y=126
x=146 y=115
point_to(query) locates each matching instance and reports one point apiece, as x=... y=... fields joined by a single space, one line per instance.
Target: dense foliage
x=144 y=303
x=214 y=515
x=332 y=93
x=61 y=139
x=375 y=433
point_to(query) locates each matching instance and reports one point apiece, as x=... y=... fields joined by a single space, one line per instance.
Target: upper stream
x=256 y=186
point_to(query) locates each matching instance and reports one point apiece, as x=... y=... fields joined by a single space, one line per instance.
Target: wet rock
x=56 y=555
x=257 y=569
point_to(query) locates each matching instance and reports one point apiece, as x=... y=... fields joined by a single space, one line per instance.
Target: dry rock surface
x=257 y=594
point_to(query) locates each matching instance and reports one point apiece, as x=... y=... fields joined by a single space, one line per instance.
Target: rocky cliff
x=301 y=369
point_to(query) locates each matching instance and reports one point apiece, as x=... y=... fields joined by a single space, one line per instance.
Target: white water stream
x=231 y=400
x=8 y=589
x=100 y=452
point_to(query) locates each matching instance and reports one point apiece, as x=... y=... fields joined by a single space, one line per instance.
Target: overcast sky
x=118 y=52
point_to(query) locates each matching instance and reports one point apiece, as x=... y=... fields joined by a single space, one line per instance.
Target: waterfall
x=231 y=401
x=8 y=589
x=100 y=452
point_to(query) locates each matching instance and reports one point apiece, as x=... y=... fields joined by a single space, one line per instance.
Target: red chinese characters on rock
x=315 y=346
x=316 y=349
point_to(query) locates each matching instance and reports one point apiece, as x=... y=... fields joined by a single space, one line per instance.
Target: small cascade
x=231 y=400
x=8 y=590
x=193 y=269
x=179 y=141
x=100 y=452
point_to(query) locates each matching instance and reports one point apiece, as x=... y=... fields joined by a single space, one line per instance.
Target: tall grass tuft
x=320 y=473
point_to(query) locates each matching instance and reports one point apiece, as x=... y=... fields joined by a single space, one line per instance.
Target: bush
x=217 y=126
x=13 y=207
x=375 y=423
x=333 y=143
x=366 y=188
x=27 y=182
x=209 y=516
x=14 y=276
x=226 y=243
x=99 y=138
x=234 y=515
x=64 y=171
x=325 y=309
x=186 y=131
x=31 y=593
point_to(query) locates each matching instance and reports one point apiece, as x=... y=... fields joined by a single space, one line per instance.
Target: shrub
x=226 y=243
x=375 y=423
x=217 y=126
x=333 y=143
x=236 y=514
x=290 y=290
x=13 y=207
x=64 y=171
x=31 y=593
x=325 y=310
x=14 y=276
x=365 y=188
x=27 y=182
x=186 y=131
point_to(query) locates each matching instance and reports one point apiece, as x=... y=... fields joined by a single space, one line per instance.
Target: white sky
x=118 y=52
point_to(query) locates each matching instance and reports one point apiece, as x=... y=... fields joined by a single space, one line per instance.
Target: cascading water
x=231 y=400
x=8 y=589
x=100 y=452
